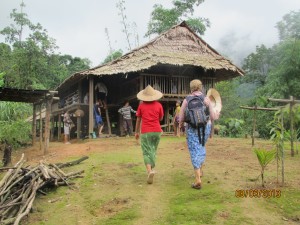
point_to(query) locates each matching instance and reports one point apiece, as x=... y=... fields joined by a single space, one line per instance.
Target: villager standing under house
x=176 y=119
x=102 y=92
x=99 y=124
x=150 y=111
x=68 y=123
x=126 y=111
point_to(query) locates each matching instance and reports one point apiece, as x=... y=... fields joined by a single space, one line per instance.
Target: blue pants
x=197 y=151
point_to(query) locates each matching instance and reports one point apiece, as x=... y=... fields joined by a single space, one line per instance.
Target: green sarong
x=149 y=143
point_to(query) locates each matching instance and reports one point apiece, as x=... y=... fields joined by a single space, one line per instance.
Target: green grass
x=114 y=190
x=189 y=206
x=287 y=204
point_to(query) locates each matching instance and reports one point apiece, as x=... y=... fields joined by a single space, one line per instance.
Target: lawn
x=114 y=189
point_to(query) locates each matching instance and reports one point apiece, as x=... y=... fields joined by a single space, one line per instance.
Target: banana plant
x=264 y=158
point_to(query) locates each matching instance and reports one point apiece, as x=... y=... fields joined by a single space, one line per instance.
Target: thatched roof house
x=169 y=62
x=179 y=46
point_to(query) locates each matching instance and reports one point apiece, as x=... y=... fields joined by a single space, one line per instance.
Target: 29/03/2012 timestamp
x=258 y=193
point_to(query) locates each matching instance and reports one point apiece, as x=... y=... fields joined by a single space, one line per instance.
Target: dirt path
x=230 y=163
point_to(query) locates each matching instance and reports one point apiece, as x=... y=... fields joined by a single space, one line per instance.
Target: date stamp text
x=258 y=193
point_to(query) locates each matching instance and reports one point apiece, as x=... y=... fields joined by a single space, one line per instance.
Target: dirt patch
x=59 y=152
x=112 y=207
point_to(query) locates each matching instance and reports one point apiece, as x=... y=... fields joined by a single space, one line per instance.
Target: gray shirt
x=126 y=112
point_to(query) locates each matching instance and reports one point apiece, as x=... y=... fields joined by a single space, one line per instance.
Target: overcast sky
x=78 y=27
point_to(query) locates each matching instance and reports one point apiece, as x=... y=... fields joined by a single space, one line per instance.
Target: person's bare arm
x=137 y=128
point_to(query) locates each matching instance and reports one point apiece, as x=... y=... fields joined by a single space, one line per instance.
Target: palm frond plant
x=278 y=136
x=264 y=158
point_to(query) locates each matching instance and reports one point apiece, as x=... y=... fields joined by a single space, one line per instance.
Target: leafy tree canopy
x=277 y=69
x=257 y=65
x=289 y=26
x=31 y=62
x=163 y=19
x=114 y=55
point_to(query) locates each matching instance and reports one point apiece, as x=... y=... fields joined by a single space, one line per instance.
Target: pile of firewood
x=19 y=187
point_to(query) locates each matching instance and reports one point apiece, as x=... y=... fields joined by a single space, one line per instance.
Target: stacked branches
x=19 y=187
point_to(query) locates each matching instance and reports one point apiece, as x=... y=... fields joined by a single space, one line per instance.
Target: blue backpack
x=197 y=115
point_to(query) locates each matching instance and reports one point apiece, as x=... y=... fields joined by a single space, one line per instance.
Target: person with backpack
x=150 y=112
x=198 y=112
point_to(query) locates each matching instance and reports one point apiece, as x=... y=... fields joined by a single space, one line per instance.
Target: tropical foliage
x=29 y=61
x=14 y=129
x=279 y=135
x=114 y=55
x=163 y=19
x=264 y=158
x=270 y=73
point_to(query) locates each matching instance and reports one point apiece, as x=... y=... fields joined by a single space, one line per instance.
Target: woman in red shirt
x=150 y=111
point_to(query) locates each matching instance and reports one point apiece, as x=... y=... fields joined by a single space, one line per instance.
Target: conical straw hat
x=215 y=99
x=149 y=94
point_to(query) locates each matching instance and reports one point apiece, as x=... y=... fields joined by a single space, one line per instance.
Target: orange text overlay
x=256 y=193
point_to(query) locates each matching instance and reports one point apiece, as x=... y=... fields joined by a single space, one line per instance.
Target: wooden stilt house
x=168 y=63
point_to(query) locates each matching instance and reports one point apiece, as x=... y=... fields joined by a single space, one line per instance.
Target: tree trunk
x=7 y=155
x=262 y=178
x=277 y=162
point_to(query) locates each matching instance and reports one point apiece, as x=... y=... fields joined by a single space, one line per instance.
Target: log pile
x=19 y=187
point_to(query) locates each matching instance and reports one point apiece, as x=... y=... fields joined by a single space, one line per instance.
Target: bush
x=232 y=128
x=17 y=133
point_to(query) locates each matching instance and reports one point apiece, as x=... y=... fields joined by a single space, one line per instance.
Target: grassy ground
x=114 y=189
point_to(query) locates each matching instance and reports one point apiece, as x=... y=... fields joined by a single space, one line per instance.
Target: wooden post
x=47 y=125
x=79 y=101
x=141 y=83
x=282 y=150
x=52 y=127
x=91 y=105
x=78 y=127
x=168 y=117
x=107 y=120
x=292 y=125
x=179 y=86
x=59 y=127
x=41 y=127
x=254 y=116
x=254 y=124
x=34 y=124
x=80 y=92
x=290 y=101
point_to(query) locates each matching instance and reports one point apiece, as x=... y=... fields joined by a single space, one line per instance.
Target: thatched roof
x=178 y=46
x=22 y=95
